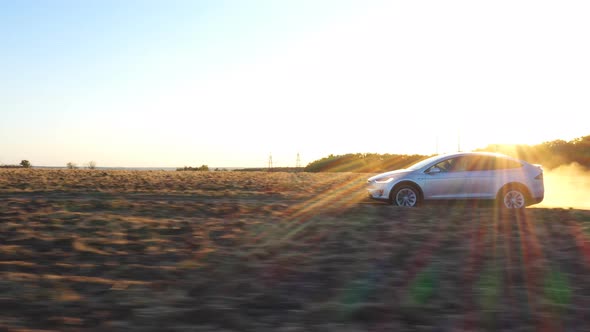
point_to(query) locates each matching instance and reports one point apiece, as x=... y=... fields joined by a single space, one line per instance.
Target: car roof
x=476 y=153
x=479 y=153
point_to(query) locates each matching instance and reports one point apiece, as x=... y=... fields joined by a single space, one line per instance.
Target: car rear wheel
x=405 y=195
x=512 y=198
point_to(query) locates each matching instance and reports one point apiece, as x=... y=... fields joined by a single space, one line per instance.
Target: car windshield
x=423 y=163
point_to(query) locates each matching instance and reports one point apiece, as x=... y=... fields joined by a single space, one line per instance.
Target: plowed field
x=85 y=250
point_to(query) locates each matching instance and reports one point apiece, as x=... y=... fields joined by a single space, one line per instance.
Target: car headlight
x=385 y=179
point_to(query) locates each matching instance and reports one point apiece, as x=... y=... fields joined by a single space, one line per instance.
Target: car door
x=480 y=179
x=447 y=179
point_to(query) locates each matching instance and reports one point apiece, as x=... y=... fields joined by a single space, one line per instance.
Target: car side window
x=457 y=164
x=475 y=163
x=460 y=164
x=445 y=165
x=503 y=163
x=481 y=163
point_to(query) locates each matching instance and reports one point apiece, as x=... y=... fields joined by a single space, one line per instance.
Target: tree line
x=70 y=165
x=549 y=154
x=23 y=164
x=362 y=162
x=202 y=168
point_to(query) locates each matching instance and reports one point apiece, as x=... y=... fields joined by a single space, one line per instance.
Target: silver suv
x=511 y=182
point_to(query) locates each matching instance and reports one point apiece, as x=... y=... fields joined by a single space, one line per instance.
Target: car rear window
x=503 y=163
x=488 y=163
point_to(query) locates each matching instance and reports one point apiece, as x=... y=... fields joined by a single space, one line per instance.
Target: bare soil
x=85 y=250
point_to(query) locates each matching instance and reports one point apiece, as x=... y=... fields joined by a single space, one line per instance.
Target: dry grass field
x=84 y=250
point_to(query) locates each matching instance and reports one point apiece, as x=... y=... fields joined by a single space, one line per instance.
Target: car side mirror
x=434 y=170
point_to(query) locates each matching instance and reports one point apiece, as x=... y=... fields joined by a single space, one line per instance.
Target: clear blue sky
x=225 y=83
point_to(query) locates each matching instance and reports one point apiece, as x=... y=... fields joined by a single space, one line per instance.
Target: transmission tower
x=270 y=162
x=437 y=145
x=298 y=162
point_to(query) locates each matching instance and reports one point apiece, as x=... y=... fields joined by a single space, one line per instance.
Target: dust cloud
x=567 y=186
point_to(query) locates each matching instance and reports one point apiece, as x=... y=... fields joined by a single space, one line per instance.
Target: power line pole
x=437 y=145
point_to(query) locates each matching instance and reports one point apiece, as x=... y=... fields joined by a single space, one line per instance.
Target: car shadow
x=473 y=203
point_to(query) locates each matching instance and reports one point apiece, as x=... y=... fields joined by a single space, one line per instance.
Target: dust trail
x=567 y=186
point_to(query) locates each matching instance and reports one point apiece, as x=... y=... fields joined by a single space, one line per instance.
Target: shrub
x=203 y=168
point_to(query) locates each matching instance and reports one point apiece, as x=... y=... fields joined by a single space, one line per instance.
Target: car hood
x=400 y=172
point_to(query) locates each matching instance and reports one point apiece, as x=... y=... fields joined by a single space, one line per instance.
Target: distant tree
x=203 y=168
x=91 y=164
x=25 y=164
x=71 y=165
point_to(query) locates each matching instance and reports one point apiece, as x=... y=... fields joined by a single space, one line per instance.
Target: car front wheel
x=405 y=195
